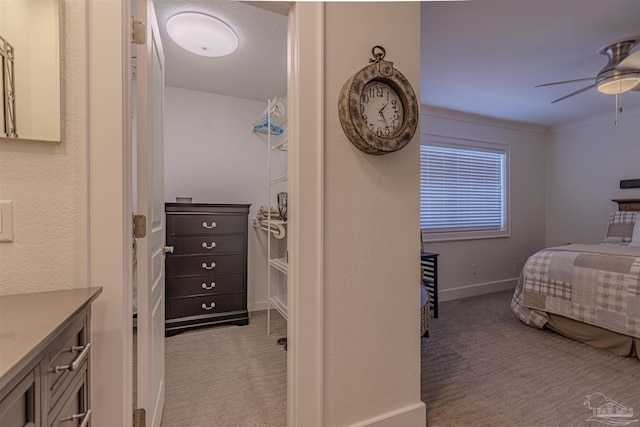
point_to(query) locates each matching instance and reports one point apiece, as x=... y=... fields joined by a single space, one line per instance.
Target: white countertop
x=28 y=323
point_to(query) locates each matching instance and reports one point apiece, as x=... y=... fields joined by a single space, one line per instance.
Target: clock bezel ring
x=354 y=126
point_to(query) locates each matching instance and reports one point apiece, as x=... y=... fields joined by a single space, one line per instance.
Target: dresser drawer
x=206 y=305
x=216 y=244
x=73 y=410
x=209 y=285
x=206 y=224
x=66 y=357
x=196 y=265
x=20 y=407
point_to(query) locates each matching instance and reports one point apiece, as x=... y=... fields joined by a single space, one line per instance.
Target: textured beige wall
x=371 y=271
x=47 y=183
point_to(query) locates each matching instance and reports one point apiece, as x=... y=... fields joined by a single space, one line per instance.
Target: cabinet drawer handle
x=213 y=224
x=85 y=418
x=75 y=364
x=204 y=285
x=211 y=246
x=211 y=306
x=207 y=267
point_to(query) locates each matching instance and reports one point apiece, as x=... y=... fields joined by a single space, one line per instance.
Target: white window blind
x=462 y=189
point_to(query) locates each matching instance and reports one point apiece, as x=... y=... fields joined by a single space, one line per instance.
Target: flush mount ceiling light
x=202 y=34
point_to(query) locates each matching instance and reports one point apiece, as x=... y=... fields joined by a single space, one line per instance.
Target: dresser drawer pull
x=85 y=418
x=208 y=267
x=204 y=285
x=211 y=306
x=75 y=364
x=213 y=225
x=211 y=246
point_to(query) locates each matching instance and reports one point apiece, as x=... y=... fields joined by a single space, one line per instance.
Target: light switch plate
x=6 y=221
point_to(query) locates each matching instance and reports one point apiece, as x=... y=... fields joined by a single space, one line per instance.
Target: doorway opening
x=213 y=157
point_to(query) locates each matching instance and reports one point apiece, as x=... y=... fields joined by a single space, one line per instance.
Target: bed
x=588 y=292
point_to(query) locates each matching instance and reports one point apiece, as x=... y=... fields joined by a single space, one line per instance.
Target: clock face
x=381 y=108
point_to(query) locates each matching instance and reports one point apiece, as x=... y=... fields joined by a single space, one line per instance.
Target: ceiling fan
x=621 y=74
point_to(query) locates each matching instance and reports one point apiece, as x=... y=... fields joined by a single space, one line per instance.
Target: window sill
x=463 y=235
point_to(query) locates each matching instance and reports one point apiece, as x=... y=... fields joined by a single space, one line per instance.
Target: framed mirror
x=30 y=68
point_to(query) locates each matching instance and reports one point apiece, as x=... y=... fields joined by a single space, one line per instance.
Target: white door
x=150 y=203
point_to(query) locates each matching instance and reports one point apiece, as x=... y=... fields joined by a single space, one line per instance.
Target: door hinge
x=138 y=32
x=139 y=226
x=139 y=417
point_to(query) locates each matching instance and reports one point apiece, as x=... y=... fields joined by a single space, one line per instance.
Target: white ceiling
x=256 y=70
x=480 y=56
x=486 y=56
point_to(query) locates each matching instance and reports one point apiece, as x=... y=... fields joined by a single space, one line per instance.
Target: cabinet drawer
x=73 y=410
x=206 y=224
x=19 y=407
x=214 y=244
x=65 y=351
x=206 y=305
x=196 y=265
x=205 y=285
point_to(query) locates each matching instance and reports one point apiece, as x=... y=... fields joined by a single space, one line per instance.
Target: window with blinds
x=463 y=190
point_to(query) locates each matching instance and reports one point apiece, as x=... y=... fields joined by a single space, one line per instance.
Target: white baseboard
x=257 y=306
x=477 y=289
x=410 y=416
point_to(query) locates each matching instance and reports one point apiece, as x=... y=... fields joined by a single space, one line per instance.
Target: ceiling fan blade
x=574 y=93
x=566 y=81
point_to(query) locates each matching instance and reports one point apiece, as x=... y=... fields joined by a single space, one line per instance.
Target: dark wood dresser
x=206 y=274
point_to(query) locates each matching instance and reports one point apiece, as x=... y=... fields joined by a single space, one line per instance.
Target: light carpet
x=482 y=367
x=227 y=376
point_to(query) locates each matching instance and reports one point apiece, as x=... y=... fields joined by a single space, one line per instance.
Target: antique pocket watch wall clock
x=378 y=108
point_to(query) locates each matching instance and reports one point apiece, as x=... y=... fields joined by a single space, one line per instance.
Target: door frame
x=109 y=207
x=306 y=207
x=109 y=188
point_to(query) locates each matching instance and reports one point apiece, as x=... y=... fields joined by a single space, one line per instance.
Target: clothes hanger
x=268 y=128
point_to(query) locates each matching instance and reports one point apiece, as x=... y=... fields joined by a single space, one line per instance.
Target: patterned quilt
x=594 y=284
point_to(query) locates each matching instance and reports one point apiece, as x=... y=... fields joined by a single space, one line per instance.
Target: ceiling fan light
x=619 y=85
x=202 y=34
